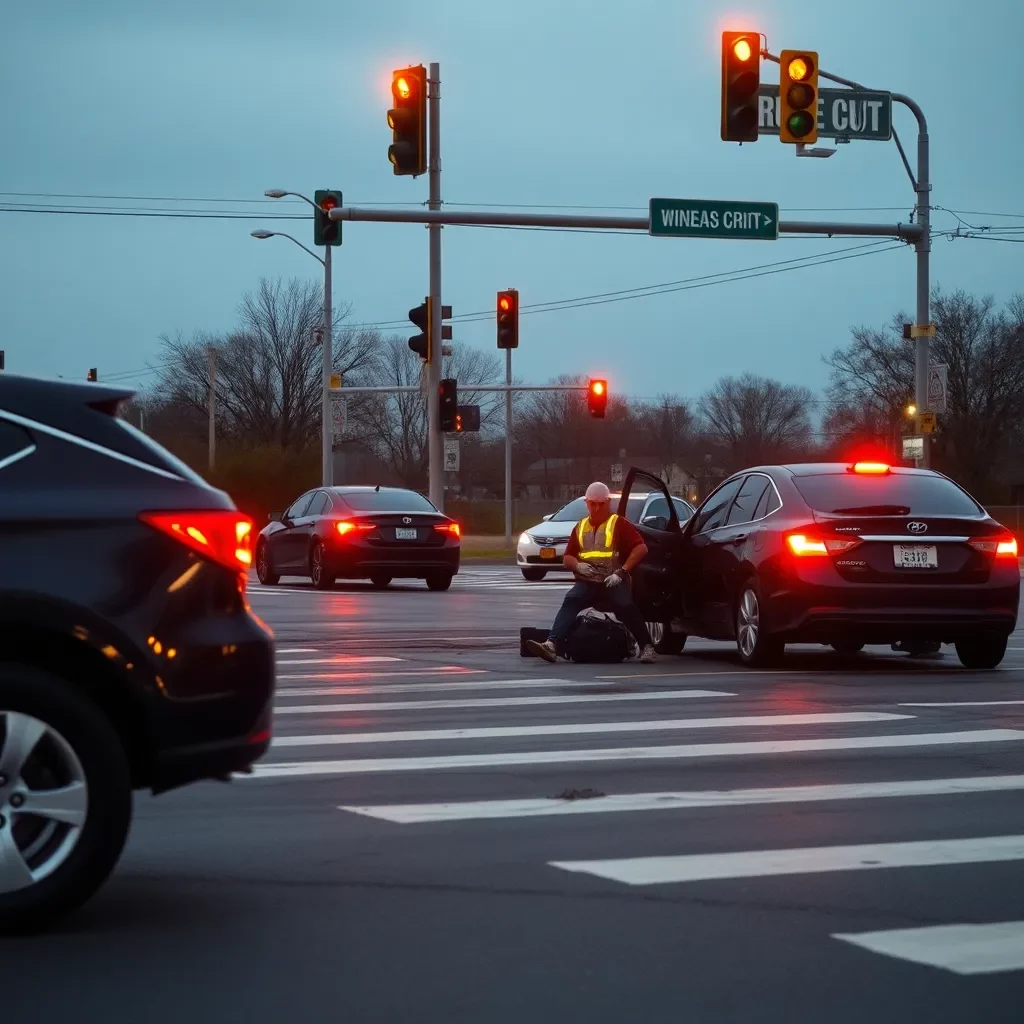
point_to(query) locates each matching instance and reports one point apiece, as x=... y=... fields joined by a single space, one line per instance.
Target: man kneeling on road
x=602 y=551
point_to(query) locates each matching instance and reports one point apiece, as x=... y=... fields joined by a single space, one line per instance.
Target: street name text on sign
x=842 y=113
x=714 y=218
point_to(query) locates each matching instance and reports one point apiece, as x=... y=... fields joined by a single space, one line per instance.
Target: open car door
x=657 y=580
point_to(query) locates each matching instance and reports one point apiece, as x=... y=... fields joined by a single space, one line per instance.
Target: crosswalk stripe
x=702 y=867
x=476 y=810
x=958 y=704
x=584 y=728
x=448 y=686
x=959 y=948
x=363 y=766
x=295 y=650
x=339 y=659
x=441 y=670
x=495 y=702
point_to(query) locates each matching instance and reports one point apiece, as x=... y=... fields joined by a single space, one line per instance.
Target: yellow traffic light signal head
x=401 y=86
x=508 y=318
x=741 y=79
x=407 y=120
x=798 y=96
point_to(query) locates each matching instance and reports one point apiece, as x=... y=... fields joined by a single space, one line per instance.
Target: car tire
x=847 y=647
x=76 y=745
x=263 y=573
x=534 y=575
x=381 y=582
x=439 y=580
x=983 y=652
x=664 y=640
x=318 y=573
x=757 y=649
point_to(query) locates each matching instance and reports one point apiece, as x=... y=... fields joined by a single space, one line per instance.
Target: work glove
x=613 y=581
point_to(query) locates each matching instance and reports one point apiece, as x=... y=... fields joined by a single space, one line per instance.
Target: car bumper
x=528 y=555
x=360 y=562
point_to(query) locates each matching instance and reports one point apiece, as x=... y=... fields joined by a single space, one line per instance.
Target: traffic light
x=798 y=96
x=741 y=78
x=508 y=319
x=325 y=230
x=92 y=374
x=420 y=343
x=407 y=120
x=1 y=358
x=467 y=418
x=597 y=398
x=449 y=405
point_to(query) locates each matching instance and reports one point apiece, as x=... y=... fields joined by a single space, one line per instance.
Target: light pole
x=327 y=432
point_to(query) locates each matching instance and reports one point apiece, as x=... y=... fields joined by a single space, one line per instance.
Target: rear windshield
x=386 y=501
x=164 y=458
x=894 y=494
x=576 y=510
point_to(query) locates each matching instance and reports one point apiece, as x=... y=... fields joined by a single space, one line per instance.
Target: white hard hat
x=598 y=491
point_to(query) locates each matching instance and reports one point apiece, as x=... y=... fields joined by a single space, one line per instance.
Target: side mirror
x=275 y=517
x=548 y=516
x=655 y=522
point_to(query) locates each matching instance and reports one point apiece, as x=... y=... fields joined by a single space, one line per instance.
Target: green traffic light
x=800 y=123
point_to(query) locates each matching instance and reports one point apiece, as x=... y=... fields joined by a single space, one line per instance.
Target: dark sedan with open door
x=358 y=533
x=840 y=554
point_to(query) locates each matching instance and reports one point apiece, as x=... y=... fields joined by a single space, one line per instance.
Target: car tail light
x=871 y=468
x=223 y=536
x=452 y=529
x=1001 y=547
x=802 y=545
x=345 y=527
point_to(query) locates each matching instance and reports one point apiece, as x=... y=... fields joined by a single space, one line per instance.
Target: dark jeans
x=606 y=599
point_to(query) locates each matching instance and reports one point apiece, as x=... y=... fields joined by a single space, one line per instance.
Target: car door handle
x=739 y=538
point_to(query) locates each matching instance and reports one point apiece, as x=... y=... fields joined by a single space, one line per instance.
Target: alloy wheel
x=749 y=623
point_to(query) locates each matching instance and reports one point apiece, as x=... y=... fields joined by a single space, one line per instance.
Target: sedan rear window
x=894 y=494
x=386 y=501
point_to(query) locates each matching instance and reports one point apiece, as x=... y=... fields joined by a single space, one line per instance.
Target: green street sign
x=714 y=218
x=843 y=114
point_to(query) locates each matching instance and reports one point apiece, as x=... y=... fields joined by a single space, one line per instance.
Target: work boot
x=544 y=650
x=647 y=654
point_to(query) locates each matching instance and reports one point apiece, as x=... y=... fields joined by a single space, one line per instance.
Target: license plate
x=405 y=533
x=915 y=556
x=547 y=552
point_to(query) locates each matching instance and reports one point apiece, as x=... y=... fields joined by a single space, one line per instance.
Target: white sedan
x=541 y=547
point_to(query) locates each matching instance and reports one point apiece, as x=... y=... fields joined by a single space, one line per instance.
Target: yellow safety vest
x=597 y=553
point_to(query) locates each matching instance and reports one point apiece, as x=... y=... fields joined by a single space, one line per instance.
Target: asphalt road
x=444 y=831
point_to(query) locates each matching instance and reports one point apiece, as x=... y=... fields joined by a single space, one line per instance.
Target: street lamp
x=327 y=432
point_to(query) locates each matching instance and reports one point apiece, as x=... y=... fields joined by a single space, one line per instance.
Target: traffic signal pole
x=435 y=442
x=327 y=425
x=508 y=446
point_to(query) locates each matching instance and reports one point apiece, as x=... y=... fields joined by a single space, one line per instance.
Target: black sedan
x=839 y=554
x=129 y=657
x=359 y=533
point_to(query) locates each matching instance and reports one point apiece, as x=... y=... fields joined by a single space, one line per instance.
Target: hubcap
x=749 y=623
x=317 y=563
x=44 y=800
x=657 y=631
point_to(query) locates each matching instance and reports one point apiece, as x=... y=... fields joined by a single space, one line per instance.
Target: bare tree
x=268 y=370
x=756 y=419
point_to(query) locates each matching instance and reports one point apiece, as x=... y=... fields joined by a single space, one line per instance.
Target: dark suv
x=129 y=657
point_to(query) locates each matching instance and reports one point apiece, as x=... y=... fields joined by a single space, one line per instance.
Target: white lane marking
x=959 y=948
x=583 y=728
x=443 y=670
x=448 y=686
x=959 y=704
x=366 y=765
x=473 y=810
x=493 y=702
x=296 y=650
x=702 y=867
x=339 y=659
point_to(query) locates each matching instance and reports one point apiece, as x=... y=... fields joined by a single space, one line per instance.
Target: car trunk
x=395 y=531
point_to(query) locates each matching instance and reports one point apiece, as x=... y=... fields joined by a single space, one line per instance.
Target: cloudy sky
x=197 y=106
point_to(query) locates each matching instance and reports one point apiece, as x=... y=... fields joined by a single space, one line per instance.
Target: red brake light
x=1005 y=548
x=453 y=528
x=345 y=527
x=222 y=535
x=801 y=544
x=875 y=468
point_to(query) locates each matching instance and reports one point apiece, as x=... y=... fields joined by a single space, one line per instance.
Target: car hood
x=556 y=531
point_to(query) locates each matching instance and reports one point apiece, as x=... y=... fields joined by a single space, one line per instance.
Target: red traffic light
x=328 y=203
x=508 y=318
x=597 y=398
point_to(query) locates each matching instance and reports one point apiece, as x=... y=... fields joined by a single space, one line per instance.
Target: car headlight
x=525 y=538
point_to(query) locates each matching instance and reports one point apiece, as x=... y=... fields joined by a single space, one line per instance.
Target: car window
x=386 y=501
x=682 y=510
x=750 y=493
x=896 y=494
x=317 y=505
x=577 y=509
x=768 y=502
x=13 y=440
x=657 y=507
x=299 y=507
x=712 y=513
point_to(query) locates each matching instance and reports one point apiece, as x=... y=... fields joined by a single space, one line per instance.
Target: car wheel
x=756 y=647
x=380 y=582
x=534 y=575
x=439 y=580
x=321 y=578
x=982 y=652
x=847 y=647
x=65 y=799
x=263 y=573
x=664 y=640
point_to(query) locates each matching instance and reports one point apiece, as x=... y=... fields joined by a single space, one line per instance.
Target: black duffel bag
x=598 y=638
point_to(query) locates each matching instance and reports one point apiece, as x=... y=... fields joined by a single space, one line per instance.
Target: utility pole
x=508 y=446
x=327 y=427
x=435 y=442
x=211 y=399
